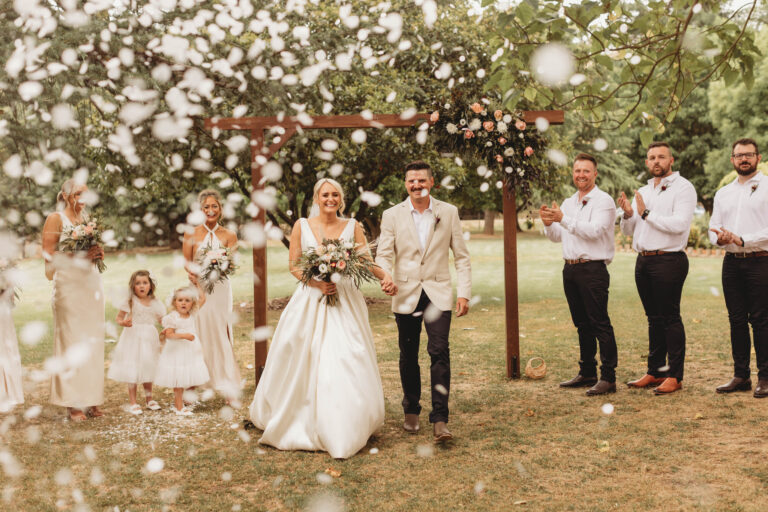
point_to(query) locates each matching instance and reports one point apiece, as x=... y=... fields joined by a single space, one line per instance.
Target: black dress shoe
x=602 y=387
x=736 y=384
x=579 y=381
x=761 y=391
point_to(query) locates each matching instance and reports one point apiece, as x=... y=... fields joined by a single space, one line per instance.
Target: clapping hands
x=550 y=214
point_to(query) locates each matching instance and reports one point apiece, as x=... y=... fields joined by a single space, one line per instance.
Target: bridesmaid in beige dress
x=78 y=312
x=213 y=319
x=11 y=391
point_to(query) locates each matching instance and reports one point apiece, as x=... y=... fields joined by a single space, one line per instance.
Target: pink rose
x=499 y=158
x=468 y=134
x=341 y=265
x=476 y=108
x=488 y=125
x=520 y=124
x=498 y=114
x=88 y=229
x=528 y=151
x=434 y=116
x=502 y=140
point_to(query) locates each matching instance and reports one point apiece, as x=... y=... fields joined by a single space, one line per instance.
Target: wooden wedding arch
x=260 y=154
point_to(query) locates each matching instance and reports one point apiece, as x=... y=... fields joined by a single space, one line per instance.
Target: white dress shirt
x=587 y=227
x=424 y=222
x=666 y=228
x=742 y=208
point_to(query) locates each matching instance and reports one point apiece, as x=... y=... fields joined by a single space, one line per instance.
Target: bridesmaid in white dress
x=11 y=392
x=78 y=312
x=213 y=321
x=321 y=388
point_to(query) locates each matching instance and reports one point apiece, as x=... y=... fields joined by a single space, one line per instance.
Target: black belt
x=582 y=260
x=658 y=253
x=755 y=254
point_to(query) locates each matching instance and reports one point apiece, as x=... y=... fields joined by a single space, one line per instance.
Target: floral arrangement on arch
x=510 y=148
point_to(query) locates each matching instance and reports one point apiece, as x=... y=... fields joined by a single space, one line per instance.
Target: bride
x=321 y=388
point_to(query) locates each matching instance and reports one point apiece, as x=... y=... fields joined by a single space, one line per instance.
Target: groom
x=417 y=234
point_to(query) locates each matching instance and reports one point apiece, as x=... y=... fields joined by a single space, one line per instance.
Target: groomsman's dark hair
x=658 y=144
x=418 y=165
x=745 y=142
x=586 y=156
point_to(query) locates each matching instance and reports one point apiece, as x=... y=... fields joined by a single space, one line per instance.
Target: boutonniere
x=437 y=221
x=754 y=187
x=584 y=202
x=663 y=188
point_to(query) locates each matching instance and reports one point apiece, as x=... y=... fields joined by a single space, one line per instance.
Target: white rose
x=507 y=118
x=322 y=268
x=509 y=152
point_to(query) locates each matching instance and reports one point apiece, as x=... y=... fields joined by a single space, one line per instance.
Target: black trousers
x=660 y=282
x=409 y=330
x=586 y=289
x=745 y=287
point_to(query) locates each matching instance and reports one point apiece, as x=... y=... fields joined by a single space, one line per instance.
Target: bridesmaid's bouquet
x=215 y=265
x=332 y=260
x=83 y=236
x=8 y=280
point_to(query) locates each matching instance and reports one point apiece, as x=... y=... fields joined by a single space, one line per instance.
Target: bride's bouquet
x=83 y=236
x=215 y=265
x=332 y=260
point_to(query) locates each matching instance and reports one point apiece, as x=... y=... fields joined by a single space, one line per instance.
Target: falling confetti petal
x=552 y=64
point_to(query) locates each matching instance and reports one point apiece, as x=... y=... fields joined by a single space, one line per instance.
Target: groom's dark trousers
x=409 y=329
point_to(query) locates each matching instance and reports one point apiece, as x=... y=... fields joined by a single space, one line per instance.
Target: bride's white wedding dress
x=321 y=388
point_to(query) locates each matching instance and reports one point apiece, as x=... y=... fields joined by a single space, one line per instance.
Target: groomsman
x=659 y=220
x=740 y=224
x=585 y=226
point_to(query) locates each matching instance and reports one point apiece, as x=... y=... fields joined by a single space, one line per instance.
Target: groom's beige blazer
x=415 y=269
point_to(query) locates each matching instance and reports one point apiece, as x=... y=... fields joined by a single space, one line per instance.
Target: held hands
x=626 y=205
x=550 y=214
x=126 y=322
x=388 y=286
x=462 y=306
x=725 y=237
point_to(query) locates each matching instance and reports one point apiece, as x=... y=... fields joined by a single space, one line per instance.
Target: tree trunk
x=488 y=220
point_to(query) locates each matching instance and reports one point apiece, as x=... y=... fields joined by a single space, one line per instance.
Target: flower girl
x=181 y=364
x=135 y=357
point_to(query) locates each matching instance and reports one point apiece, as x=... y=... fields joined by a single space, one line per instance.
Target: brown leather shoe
x=442 y=434
x=579 y=381
x=602 y=387
x=761 y=390
x=411 y=423
x=736 y=384
x=646 y=381
x=670 y=385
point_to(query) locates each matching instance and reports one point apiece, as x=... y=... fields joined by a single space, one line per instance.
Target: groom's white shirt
x=416 y=268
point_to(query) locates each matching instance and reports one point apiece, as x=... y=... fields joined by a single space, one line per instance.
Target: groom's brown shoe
x=645 y=381
x=602 y=387
x=442 y=434
x=411 y=423
x=579 y=381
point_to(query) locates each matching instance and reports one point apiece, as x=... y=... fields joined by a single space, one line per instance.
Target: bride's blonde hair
x=65 y=191
x=335 y=184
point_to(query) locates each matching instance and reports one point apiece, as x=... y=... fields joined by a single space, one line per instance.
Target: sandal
x=183 y=412
x=135 y=409
x=94 y=412
x=152 y=405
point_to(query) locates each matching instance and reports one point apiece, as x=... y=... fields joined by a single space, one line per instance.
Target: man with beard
x=740 y=225
x=659 y=220
x=585 y=226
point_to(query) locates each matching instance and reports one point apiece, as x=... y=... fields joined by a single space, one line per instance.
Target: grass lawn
x=519 y=444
